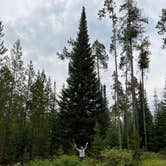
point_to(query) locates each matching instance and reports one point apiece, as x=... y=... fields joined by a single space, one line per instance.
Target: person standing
x=82 y=151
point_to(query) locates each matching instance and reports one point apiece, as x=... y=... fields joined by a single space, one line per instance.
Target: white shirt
x=82 y=151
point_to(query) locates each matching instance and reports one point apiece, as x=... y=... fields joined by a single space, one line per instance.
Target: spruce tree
x=81 y=100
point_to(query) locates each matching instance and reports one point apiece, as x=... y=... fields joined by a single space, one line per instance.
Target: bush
x=88 y=162
x=151 y=155
x=67 y=161
x=40 y=163
x=153 y=163
x=117 y=158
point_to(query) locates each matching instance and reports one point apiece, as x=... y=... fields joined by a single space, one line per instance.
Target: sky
x=44 y=26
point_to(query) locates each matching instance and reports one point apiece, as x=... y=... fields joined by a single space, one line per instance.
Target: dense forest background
x=37 y=122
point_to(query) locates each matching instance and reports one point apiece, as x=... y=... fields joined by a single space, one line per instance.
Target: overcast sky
x=44 y=26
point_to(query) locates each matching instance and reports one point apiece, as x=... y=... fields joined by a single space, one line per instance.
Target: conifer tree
x=17 y=101
x=147 y=119
x=160 y=123
x=81 y=101
x=98 y=143
x=100 y=55
x=109 y=9
x=143 y=65
x=6 y=80
x=98 y=51
x=39 y=118
x=131 y=28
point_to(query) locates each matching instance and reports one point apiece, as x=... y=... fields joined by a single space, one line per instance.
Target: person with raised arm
x=82 y=151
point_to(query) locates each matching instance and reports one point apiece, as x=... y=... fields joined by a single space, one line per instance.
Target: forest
x=40 y=127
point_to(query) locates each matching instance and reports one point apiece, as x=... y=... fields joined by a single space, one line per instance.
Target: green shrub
x=155 y=162
x=151 y=155
x=117 y=158
x=67 y=161
x=88 y=162
x=40 y=163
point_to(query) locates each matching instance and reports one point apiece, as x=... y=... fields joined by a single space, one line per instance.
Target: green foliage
x=98 y=143
x=117 y=158
x=134 y=140
x=153 y=163
x=67 y=161
x=160 y=125
x=112 y=139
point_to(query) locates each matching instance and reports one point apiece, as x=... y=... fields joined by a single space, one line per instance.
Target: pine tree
x=130 y=30
x=109 y=8
x=98 y=143
x=160 y=124
x=6 y=80
x=81 y=101
x=143 y=65
x=161 y=26
x=100 y=55
x=39 y=118
x=148 y=120
x=17 y=102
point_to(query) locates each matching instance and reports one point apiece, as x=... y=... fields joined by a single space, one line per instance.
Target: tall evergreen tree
x=130 y=30
x=6 y=80
x=147 y=118
x=17 y=101
x=160 y=124
x=110 y=8
x=81 y=101
x=143 y=65
x=39 y=118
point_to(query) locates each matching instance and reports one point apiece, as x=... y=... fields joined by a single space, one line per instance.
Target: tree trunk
x=143 y=111
x=116 y=86
x=98 y=68
x=130 y=53
x=135 y=114
x=126 y=143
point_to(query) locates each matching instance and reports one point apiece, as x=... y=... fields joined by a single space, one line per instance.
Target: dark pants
x=82 y=158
